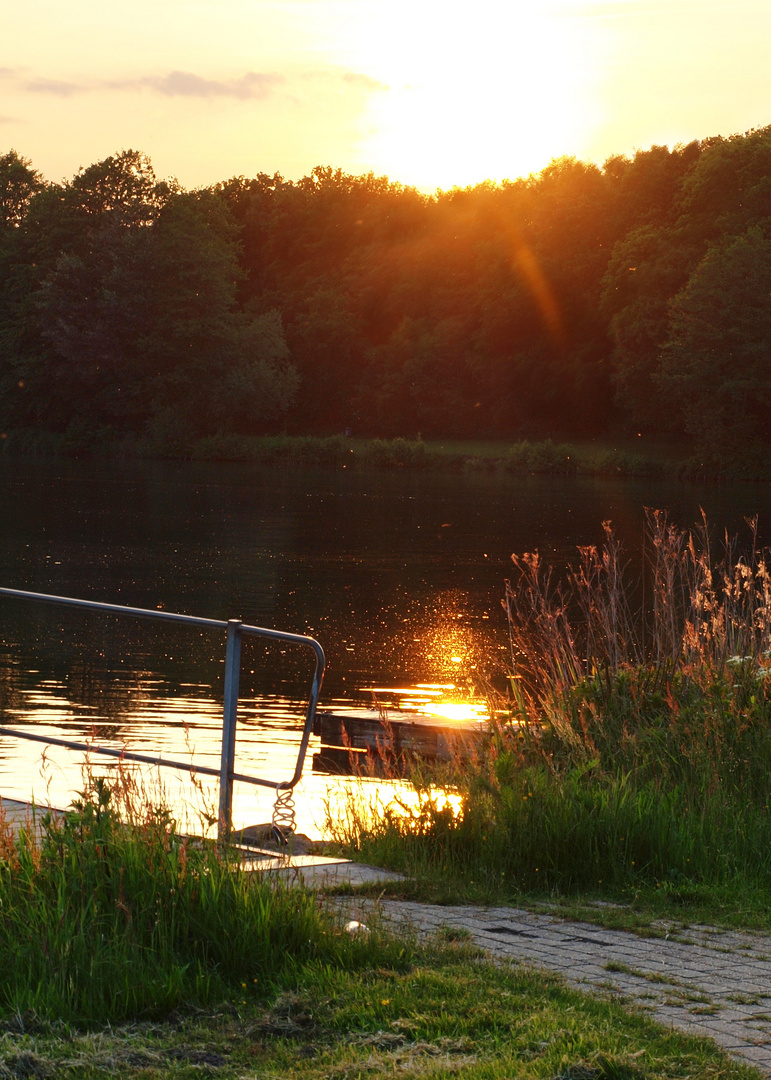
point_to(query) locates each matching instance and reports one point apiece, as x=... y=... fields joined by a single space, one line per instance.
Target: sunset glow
x=427 y=93
x=471 y=97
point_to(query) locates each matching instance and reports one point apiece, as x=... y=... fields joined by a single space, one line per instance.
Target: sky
x=432 y=93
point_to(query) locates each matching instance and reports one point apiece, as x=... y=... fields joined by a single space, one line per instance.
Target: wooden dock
x=367 y=742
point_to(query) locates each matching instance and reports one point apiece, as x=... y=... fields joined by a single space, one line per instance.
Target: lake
x=398 y=574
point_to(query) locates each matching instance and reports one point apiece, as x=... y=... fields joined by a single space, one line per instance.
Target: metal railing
x=226 y=772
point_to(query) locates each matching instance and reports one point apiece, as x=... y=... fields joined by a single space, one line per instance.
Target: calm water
x=398 y=575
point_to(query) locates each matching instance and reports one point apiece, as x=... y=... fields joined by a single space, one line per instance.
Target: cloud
x=54 y=86
x=251 y=86
x=363 y=82
x=334 y=76
x=186 y=84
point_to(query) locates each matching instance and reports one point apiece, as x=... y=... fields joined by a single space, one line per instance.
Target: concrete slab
x=315 y=871
x=329 y=874
x=15 y=816
x=312 y=871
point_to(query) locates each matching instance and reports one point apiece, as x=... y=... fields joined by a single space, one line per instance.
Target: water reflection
x=188 y=727
x=400 y=576
x=441 y=701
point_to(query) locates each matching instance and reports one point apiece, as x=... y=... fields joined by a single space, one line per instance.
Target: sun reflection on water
x=441 y=701
x=458 y=710
x=168 y=713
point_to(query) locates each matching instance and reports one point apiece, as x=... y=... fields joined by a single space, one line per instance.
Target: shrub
x=542 y=457
x=399 y=453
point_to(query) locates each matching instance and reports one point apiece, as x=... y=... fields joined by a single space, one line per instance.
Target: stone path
x=705 y=981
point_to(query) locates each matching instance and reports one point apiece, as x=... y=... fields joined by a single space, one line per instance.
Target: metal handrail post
x=235 y=630
x=229 y=715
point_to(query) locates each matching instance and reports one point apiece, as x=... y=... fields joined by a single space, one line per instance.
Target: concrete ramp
x=15 y=816
x=316 y=871
x=300 y=867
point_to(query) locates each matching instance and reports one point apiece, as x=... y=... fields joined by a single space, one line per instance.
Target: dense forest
x=572 y=303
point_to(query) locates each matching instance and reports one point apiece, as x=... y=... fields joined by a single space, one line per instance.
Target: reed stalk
x=112 y=913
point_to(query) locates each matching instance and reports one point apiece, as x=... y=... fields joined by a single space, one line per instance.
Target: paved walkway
x=705 y=981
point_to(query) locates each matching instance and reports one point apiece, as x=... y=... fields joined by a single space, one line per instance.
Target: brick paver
x=704 y=981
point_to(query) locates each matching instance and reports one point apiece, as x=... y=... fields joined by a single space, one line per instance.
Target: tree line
x=577 y=301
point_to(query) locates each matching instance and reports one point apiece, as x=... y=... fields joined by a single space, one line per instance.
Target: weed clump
x=541 y=457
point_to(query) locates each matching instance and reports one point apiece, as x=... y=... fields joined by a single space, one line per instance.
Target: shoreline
x=519 y=457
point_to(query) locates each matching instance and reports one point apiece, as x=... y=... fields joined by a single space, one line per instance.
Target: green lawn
x=127 y=952
x=443 y=1013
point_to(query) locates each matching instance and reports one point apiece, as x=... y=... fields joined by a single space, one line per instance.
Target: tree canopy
x=570 y=302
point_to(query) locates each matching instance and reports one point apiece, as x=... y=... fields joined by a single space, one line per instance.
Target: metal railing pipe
x=229 y=715
x=235 y=631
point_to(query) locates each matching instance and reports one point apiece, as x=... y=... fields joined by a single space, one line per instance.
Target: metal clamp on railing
x=235 y=631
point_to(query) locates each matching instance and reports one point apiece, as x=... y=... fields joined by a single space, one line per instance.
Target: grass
x=633 y=764
x=649 y=976
x=115 y=915
x=445 y=1013
x=663 y=910
x=128 y=951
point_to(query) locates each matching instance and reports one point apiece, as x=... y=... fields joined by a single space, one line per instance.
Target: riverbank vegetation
x=616 y=457
x=126 y=949
x=340 y=451
x=443 y=1013
x=633 y=762
x=566 y=305
x=111 y=914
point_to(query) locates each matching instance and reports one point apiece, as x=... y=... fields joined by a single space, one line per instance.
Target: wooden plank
x=396 y=716
x=337 y=761
x=389 y=736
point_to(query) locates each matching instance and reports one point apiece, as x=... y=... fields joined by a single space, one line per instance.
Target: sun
x=473 y=91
